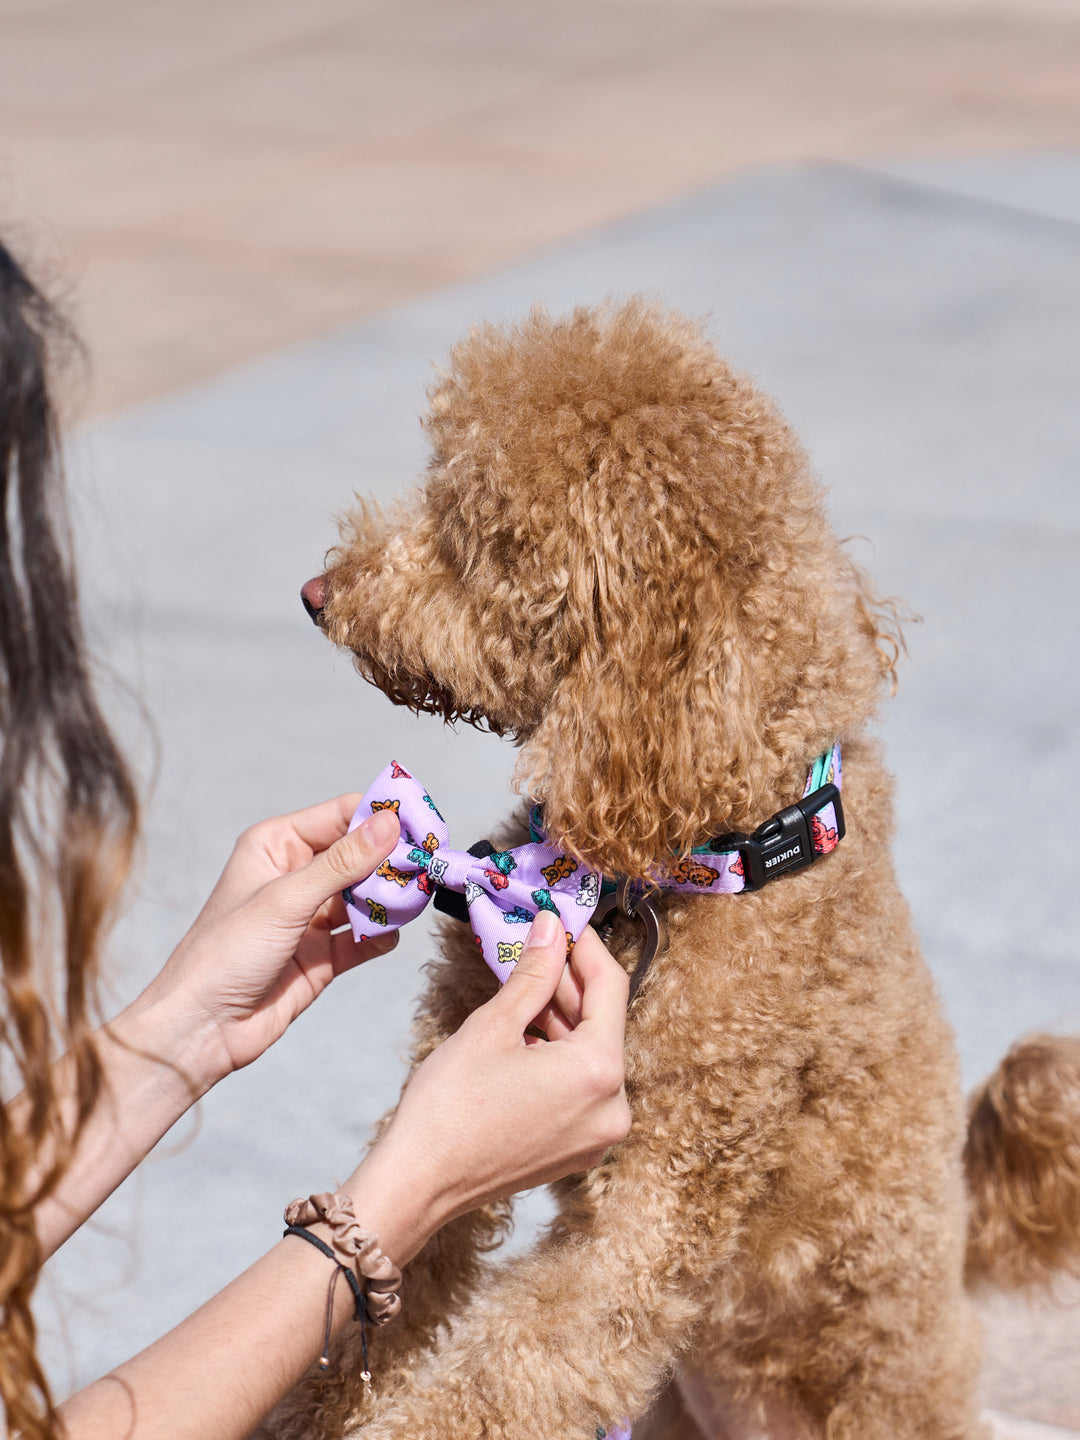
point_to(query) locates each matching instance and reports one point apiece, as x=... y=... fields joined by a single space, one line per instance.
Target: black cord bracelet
x=354 y=1286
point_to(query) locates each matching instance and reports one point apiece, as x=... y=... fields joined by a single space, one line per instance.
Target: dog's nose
x=313 y=594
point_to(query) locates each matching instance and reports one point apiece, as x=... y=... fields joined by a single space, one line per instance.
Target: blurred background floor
x=878 y=206
x=215 y=178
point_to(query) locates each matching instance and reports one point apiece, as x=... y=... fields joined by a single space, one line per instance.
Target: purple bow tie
x=503 y=890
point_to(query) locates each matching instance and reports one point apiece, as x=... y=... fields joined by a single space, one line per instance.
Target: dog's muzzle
x=313 y=594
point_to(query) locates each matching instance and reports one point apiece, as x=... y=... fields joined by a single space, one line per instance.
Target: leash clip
x=633 y=898
x=786 y=841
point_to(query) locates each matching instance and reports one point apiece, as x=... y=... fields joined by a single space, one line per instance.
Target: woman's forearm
x=154 y=1069
x=454 y=1142
x=263 y=947
x=489 y=1112
x=219 y=1372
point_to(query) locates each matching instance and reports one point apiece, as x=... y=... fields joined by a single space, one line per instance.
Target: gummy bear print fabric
x=706 y=871
x=504 y=890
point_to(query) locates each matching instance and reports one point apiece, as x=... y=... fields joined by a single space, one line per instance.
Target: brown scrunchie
x=358 y=1249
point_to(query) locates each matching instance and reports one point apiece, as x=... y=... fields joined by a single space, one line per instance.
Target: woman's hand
x=261 y=950
x=492 y=1110
x=264 y=945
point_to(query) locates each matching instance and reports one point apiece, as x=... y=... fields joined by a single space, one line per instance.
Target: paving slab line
x=1009 y=1427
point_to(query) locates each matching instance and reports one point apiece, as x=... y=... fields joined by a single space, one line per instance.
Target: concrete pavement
x=215 y=179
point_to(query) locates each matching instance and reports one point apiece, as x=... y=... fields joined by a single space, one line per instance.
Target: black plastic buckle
x=785 y=842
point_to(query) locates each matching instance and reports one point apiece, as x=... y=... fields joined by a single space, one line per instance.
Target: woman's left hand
x=263 y=947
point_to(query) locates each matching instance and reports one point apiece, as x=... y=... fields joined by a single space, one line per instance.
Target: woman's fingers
x=590 y=963
x=334 y=912
x=318 y=826
x=564 y=1012
x=531 y=984
x=552 y=1022
x=568 y=994
x=327 y=947
x=354 y=856
x=605 y=987
x=288 y=842
x=346 y=953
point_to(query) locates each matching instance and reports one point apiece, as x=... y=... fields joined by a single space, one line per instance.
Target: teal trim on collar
x=820 y=771
x=536 y=834
x=816 y=779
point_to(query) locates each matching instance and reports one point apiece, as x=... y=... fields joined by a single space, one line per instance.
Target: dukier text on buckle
x=785 y=842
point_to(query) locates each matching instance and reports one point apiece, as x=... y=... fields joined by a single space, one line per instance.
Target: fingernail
x=381 y=828
x=544 y=928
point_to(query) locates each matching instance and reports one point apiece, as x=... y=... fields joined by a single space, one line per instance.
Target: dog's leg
x=725 y=1415
x=581 y=1332
x=566 y=1341
x=688 y=1410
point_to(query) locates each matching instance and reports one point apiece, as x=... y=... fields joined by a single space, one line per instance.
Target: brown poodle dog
x=619 y=557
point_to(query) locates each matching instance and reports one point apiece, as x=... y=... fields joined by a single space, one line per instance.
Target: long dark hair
x=68 y=820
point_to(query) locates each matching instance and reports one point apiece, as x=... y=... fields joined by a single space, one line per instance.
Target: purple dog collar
x=789 y=840
x=504 y=889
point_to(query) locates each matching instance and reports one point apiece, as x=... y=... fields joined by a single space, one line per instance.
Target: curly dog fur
x=619 y=557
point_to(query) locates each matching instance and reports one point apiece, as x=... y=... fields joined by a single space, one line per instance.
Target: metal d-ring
x=631 y=904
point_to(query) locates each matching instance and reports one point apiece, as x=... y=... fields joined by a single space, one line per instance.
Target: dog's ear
x=695 y=711
x=648 y=744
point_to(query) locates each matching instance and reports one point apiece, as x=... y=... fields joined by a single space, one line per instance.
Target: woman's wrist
x=394 y=1196
x=176 y=1037
x=155 y=1064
